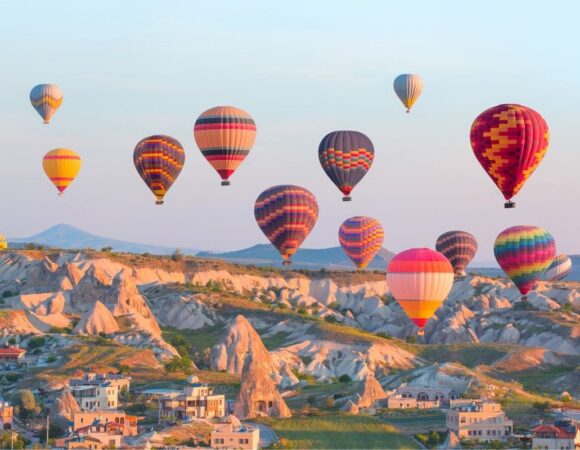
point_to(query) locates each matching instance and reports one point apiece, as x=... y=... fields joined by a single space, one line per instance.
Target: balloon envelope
x=225 y=135
x=559 y=269
x=509 y=141
x=420 y=279
x=459 y=247
x=361 y=238
x=159 y=160
x=408 y=88
x=524 y=253
x=286 y=214
x=61 y=166
x=46 y=99
x=346 y=157
x=3 y=242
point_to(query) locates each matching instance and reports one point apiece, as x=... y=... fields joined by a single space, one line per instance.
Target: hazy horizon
x=301 y=70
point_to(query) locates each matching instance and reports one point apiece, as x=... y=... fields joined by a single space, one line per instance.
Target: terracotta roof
x=560 y=433
x=11 y=351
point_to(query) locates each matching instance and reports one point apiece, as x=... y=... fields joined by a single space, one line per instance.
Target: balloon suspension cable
x=346 y=198
x=159 y=202
x=226 y=182
x=509 y=204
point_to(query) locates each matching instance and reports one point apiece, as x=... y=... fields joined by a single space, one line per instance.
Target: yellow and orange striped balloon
x=61 y=166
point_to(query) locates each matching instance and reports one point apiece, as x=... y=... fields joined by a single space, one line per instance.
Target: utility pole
x=47 y=428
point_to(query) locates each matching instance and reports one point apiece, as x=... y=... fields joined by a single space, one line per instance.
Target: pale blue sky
x=130 y=69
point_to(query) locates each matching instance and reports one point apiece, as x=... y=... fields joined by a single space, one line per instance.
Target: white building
x=481 y=420
x=231 y=434
x=101 y=397
x=196 y=401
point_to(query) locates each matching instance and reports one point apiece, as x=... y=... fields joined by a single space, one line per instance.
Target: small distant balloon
x=286 y=214
x=3 y=243
x=159 y=160
x=225 y=135
x=459 y=247
x=346 y=157
x=509 y=141
x=61 y=166
x=408 y=88
x=420 y=280
x=559 y=269
x=361 y=238
x=524 y=253
x=46 y=99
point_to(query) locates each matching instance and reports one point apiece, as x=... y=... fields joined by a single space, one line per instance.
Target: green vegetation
x=179 y=364
x=9 y=441
x=469 y=354
x=338 y=432
x=432 y=439
x=36 y=342
x=275 y=341
x=26 y=406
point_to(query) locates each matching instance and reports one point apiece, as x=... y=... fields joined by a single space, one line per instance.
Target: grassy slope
x=339 y=432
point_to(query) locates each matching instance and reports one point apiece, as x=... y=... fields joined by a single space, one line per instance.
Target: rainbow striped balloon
x=420 y=280
x=346 y=157
x=459 y=247
x=225 y=135
x=286 y=214
x=361 y=238
x=524 y=253
x=46 y=99
x=159 y=160
x=61 y=166
x=559 y=269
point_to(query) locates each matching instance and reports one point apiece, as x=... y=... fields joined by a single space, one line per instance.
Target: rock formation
x=258 y=394
x=97 y=320
x=371 y=392
x=63 y=408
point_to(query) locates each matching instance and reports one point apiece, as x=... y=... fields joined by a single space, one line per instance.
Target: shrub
x=302 y=311
x=36 y=342
x=177 y=255
x=344 y=378
x=335 y=306
x=331 y=318
x=107 y=249
x=412 y=339
x=12 y=377
x=51 y=359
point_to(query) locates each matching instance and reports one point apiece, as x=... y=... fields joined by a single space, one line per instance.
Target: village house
x=196 y=401
x=480 y=420
x=121 y=382
x=85 y=443
x=420 y=397
x=103 y=396
x=397 y=401
x=6 y=415
x=114 y=421
x=563 y=435
x=11 y=357
x=230 y=433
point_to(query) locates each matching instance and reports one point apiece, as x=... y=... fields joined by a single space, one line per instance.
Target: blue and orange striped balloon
x=346 y=157
x=524 y=253
x=159 y=160
x=559 y=269
x=225 y=135
x=286 y=214
x=46 y=99
x=361 y=238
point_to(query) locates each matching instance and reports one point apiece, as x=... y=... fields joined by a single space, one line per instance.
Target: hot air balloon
x=524 y=253
x=3 y=243
x=420 y=280
x=361 y=238
x=225 y=135
x=559 y=269
x=286 y=214
x=408 y=88
x=46 y=99
x=159 y=160
x=459 y=247
x=346 y=157
x=61 y=165
x=509 y=141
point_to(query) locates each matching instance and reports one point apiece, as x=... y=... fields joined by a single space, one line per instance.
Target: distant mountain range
x=68 y=237
x=306 y=258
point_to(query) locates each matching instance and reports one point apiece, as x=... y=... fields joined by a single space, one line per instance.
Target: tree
x=9 y=440
x=344 y=378
x=177 y=255
x=331 y=318
x=541 y=407
x=54 y=431
x=412 y=339
x=27 y=406
x=107 y=249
